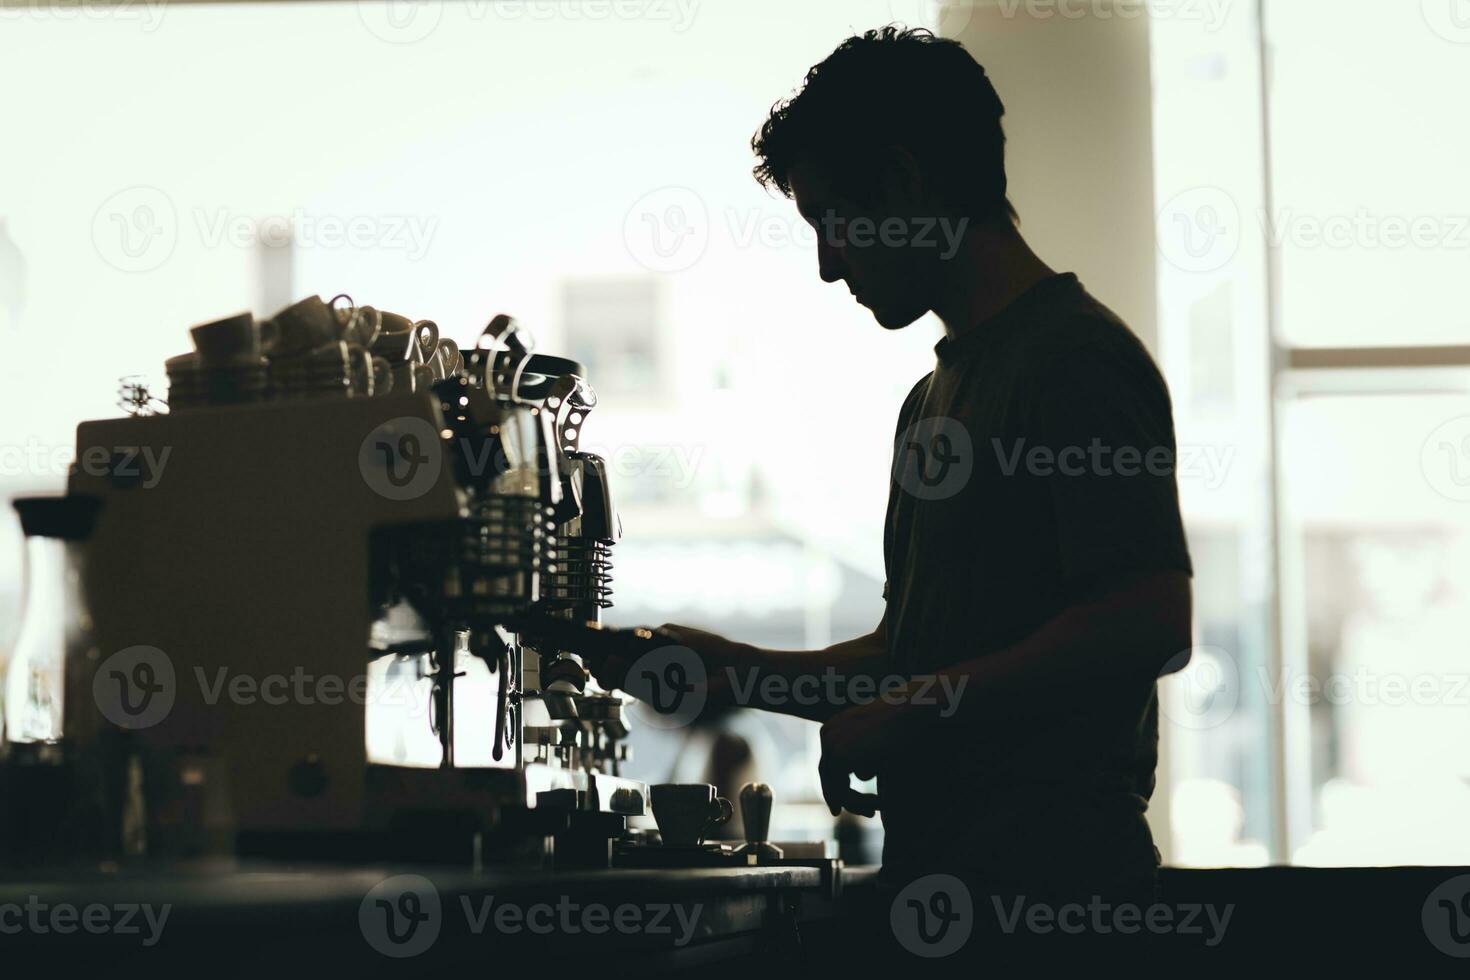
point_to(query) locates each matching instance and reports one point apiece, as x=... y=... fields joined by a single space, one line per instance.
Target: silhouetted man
x=1038 y=580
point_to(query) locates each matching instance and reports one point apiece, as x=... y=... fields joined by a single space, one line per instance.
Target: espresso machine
x=570 y=723
x=323 y=589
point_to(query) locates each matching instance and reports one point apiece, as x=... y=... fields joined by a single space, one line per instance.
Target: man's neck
x=994 y=268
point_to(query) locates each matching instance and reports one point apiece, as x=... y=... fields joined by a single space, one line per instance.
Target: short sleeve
x=1105 y=452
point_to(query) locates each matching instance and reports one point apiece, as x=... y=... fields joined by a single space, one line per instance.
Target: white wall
x=1079 y=125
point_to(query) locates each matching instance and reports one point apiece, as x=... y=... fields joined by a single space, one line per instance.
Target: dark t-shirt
x=1034 y=463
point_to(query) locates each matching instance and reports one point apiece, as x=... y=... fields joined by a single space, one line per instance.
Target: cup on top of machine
x=227 y=343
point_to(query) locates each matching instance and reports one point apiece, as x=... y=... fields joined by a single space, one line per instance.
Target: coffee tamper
x=755 y=814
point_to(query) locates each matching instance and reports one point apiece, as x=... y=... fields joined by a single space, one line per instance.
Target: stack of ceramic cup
x=311 y=349
x=225 y=368
x=325 y=370
x=411 y=350
x=317 y=350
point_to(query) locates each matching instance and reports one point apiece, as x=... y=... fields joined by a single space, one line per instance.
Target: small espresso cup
x=358 y=325
x=402 y=341
x=685 y=812
x=300 y=328
x=227 y=341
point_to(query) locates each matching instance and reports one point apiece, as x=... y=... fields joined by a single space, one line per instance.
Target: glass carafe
x=54 y=620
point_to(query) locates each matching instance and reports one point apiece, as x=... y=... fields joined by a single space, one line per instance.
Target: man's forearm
x=796 y=682
x=1134 y=631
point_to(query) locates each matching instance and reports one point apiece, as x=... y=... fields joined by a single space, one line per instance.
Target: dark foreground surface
x=287 y=920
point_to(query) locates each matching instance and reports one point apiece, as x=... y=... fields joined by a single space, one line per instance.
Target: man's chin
x=890 y=319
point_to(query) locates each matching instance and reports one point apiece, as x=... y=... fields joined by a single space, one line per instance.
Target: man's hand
x=859 y=741
x=735 y=673
x=717 y=655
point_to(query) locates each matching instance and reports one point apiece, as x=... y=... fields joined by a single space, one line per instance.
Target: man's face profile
x=869 y=247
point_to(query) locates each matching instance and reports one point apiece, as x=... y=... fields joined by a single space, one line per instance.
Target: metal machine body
x=574 y=730
x=328 y=595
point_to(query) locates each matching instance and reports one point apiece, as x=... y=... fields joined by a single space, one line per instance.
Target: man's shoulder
x=1077 y=340
x=914 y=400
x=916 y=393
x=1076 y=324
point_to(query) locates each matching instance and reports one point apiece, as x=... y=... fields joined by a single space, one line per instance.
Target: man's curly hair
x=894 y=87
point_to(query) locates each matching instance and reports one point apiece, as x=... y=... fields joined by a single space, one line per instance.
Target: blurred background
x=1271 y=192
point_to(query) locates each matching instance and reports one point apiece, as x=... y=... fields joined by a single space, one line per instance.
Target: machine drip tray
x=711 y=855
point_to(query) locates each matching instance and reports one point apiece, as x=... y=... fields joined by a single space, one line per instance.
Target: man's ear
x=900 y=178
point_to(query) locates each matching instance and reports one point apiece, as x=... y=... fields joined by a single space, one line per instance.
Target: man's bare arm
x=1136 y=627
x=740 y=674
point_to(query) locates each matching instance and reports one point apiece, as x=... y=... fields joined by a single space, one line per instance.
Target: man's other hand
x=859 y=741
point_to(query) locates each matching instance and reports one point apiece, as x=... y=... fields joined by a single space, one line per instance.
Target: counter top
x=251 y=916
x=284 y=886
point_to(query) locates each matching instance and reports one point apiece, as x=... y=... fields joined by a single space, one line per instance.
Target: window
x=1312 y=302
